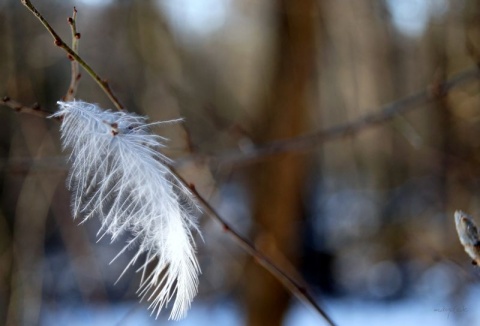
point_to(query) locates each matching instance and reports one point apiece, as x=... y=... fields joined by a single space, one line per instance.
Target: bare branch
x=313 y=140
x=103 y=83
x=35 y=109
x=75 y=78
x=296 y=288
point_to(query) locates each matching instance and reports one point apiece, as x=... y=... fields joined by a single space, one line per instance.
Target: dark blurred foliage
x=368 y=216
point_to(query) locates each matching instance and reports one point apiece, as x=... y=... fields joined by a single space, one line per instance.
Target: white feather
x=118 y=175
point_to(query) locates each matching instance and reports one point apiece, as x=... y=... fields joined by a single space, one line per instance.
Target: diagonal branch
x=102 y=83
x=299 y=290
x=313 y=140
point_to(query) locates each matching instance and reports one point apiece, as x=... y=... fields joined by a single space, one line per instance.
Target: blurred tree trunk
x=472 y=29
x=443 y=126
x=277 y=184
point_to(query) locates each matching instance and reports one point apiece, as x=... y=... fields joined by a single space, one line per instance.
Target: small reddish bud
x=57 y=42
x=77 y=36
x=70 y=20
x=70 y=57
x=79 y=76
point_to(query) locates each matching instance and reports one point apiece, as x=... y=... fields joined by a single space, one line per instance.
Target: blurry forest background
x=366 y=219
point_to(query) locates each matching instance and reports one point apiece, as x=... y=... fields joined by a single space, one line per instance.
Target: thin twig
x=299 y=290
x=75 y=75
x=60 y=43
x=317 y=138
x=35 y=109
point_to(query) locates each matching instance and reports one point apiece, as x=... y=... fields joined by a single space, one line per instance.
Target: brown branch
x=299 y=290
x=75 y=75
x=313 y=140
x=102 y=83
x=35 y=109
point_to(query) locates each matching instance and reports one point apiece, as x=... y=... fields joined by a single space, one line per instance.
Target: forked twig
x=61 y=44
x=35 y=109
